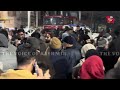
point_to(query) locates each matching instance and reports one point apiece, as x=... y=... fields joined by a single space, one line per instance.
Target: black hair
x=36 y=35
x=51 y=34
x=91 y=52
x=68 y=28
x=78 y=26
x=3 y=31
x=25 y=53
x=20 y=30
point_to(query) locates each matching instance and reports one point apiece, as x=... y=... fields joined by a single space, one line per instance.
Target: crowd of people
x=72 y=54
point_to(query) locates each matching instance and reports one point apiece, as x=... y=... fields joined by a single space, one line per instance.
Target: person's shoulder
x=110 y=74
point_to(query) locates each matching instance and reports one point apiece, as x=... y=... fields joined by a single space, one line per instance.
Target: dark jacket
x=75 y=35
x=73 y=56
x=60 y=64
x=81 y=34
x=109 y=59
x=115 y=72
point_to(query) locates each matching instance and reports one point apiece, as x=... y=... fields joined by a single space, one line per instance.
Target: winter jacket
x=109 y=59
x=73 y=56
x=60 y=64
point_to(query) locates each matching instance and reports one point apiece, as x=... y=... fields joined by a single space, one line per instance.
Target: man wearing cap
x=58 y=60
x=67 y=32
x=73 y=55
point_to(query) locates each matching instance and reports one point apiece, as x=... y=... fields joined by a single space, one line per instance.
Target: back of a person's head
x=92 y=68
x=102 y=42
x=108 y=37
x=87 y=47
x=36 y=35
x=51 y=34
x=43 y=31
x=68 y=28
x=3 y=31
x=25 y=53
x=91 y=52
x=55 y=43
x=34 y=42
x=20 y=30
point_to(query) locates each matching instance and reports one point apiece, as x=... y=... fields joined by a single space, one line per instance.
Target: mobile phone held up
x=35 y=70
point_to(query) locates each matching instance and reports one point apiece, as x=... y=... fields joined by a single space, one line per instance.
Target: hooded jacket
x=73 y=56
x=92 y=68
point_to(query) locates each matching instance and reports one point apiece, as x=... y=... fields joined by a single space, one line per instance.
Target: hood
x=17 y=74
x=92 y=68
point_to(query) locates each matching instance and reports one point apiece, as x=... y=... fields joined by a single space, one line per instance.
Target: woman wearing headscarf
x=84 y=50
x=92 y=68
x=76 y=69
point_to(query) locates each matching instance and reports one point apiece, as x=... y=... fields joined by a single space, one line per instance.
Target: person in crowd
x=86 y=39
x=42 y=43
x=114 y=73
x=81 y=34
x=102 y=44
x=76 y=69
x=43 y=34
x=67 y=32
x=26 y=64
x=3 y=31
x=7 y=53
x=15 y=31
x=108 y=37
x=105 y=54
x=10 y=35
x=75 y=34
x=58 y=60
x=20 y=38
x=91 y=52
x=36 y=35
x=48 y=38
x=73 y=55
x=92 y=68
x=42 y=59
x=85 y=48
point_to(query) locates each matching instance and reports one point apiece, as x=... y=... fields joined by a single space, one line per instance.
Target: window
x=53 y=21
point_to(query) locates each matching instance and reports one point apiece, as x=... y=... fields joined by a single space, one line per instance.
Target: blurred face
x=70 y=32
x=21 y=35
x=78 y=28
x=47 y=38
